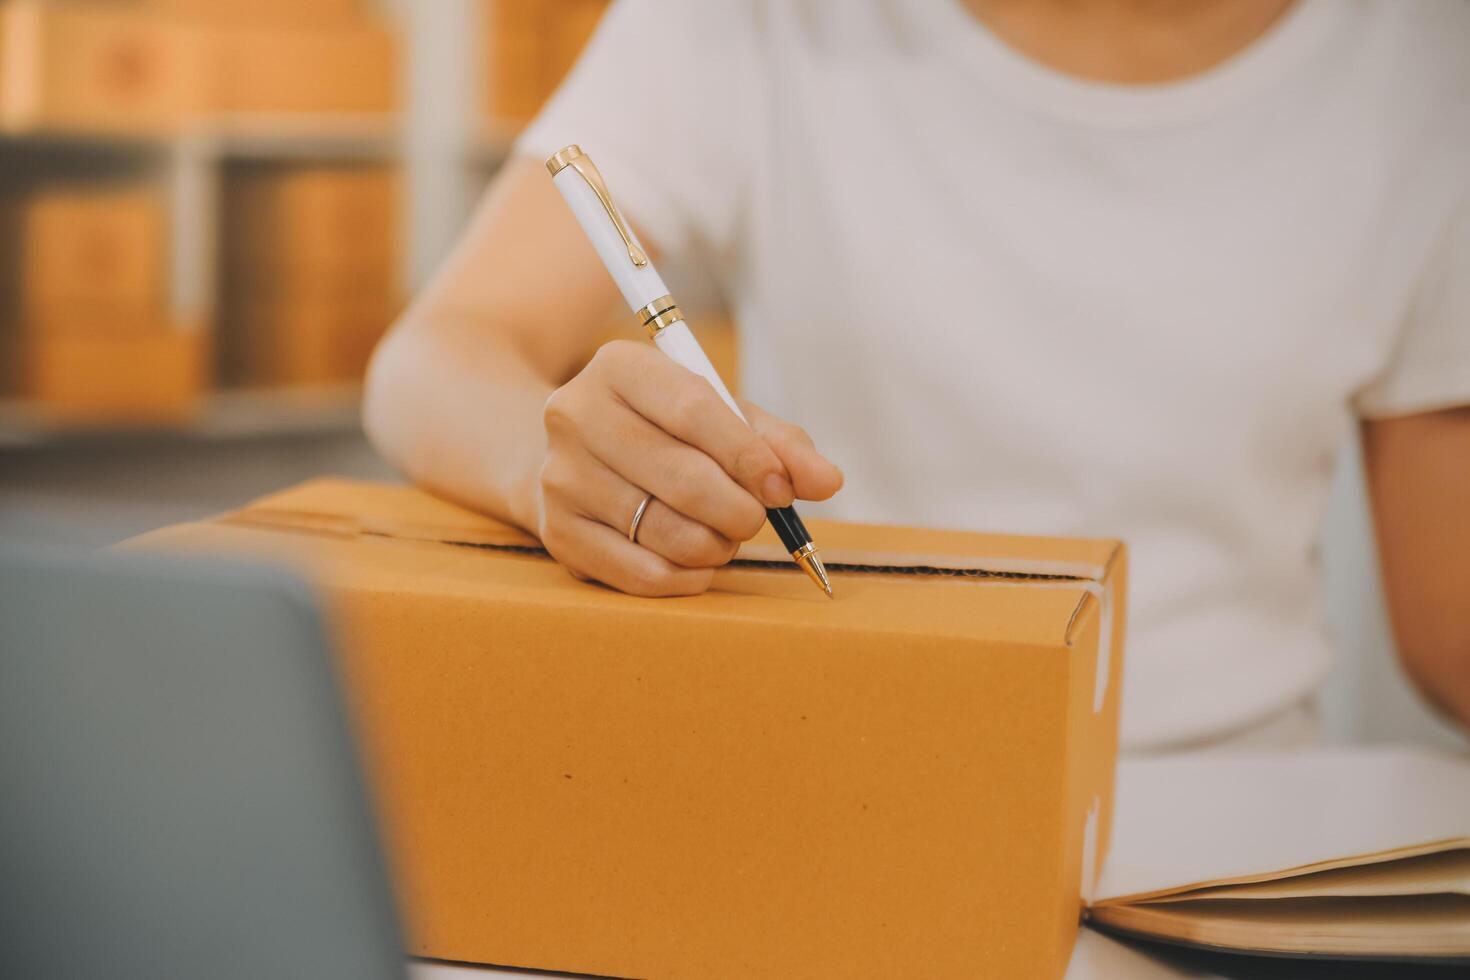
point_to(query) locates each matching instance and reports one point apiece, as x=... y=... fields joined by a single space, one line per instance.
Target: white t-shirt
x=1003 y=298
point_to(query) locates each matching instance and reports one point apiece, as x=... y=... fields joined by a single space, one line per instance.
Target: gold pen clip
x=572 y=156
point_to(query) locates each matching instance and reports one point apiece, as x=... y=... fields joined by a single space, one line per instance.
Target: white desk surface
x=1096 y=957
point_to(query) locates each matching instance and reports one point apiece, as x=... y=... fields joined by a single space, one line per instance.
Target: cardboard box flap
x=330 y=505
x=1074 y=571
x=351 y=508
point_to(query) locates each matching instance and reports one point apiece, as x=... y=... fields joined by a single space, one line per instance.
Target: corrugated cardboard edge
x=1094 y=580
x=1097 y=583
x=1105 y=734
x=348 y=526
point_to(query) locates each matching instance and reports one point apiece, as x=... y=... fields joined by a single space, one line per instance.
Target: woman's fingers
x=686 y=406
x=635 y=423
x=814 y=476
x=593 y=550
x=584 y=485
x=678 y=474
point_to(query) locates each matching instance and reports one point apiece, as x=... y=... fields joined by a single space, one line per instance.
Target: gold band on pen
x=562 y=158
x=662 y=312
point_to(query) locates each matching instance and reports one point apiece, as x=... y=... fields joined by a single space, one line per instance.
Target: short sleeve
x=664 y=100
x=1429 y=368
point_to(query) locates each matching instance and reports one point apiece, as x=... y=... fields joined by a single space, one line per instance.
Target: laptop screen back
x=179 y=795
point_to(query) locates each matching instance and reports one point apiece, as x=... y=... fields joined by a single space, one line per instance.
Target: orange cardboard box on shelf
x=94 y=67
x=912 y=780
x=312 y=232
x=76 y=250
x=273 y=12
x=101 y=378
x=309 y=269
x=351 y=69
x=529 y=45
x=293 y=343
x=79 y=263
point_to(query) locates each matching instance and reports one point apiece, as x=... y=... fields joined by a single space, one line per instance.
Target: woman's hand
x=457 y=398
x=633 y=423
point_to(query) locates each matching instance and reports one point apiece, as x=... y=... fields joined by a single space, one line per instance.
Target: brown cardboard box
x=273 y=12
x=349 y=69
x=529 y=46
x=110 y=379
x=274 y=343
x=80 y=263
x=321 y=232
x=94 y=67
x=913 y=780
x=72 y=252
x=513 y=48
x=309 y=272
x=576 y=22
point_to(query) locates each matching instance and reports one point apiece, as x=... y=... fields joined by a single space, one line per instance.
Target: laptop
x=179 y=795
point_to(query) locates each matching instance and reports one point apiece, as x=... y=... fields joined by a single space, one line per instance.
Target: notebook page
x=1191 y=820
x=1444 y=873
x=1417 y=925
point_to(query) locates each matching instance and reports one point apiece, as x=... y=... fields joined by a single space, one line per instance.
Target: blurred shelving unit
x=196 y=159
x=297 y=137
x=229 y=414
x=470 y=73
x=102 y=99
x=188 y=166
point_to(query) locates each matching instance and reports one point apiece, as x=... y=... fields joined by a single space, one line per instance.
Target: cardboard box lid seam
x=665 y=607
x=753 y=554
x=1089 y=579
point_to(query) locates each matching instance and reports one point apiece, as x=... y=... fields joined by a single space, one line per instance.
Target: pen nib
x=816 y=571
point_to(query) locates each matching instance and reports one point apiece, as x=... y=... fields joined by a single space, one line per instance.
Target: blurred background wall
x=210 y=210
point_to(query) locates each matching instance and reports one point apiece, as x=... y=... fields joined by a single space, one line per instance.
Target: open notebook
x=1349 y=853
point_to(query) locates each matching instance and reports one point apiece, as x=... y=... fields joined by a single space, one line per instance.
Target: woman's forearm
x=458 y=408
x=1418 y=467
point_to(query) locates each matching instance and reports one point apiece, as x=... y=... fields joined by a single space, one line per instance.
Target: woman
x=1092 y=268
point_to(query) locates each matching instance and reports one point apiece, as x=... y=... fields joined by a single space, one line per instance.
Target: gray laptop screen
x=179 y=795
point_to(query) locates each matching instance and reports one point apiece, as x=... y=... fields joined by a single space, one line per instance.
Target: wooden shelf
x=249 y=136
x=225 y=415
x=87 y=141
x=299 y=137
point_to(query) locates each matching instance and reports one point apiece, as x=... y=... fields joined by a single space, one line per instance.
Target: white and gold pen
x=582 y=187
